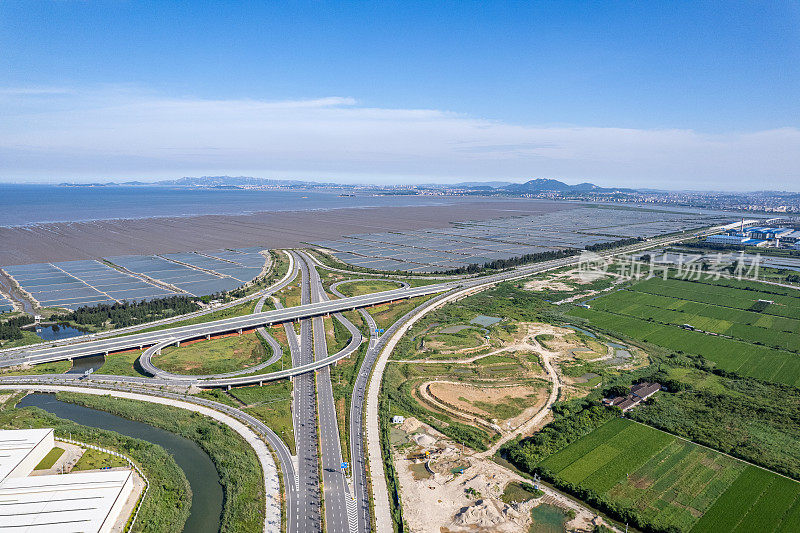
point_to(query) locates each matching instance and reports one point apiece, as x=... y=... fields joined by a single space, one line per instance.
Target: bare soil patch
x=474 y=399
x=437 y=500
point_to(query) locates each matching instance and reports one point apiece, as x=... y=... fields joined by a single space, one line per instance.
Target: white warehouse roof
x=71 y=502
x=16 y=445
x=87 y=502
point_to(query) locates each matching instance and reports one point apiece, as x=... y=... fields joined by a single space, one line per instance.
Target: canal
x=206 y=509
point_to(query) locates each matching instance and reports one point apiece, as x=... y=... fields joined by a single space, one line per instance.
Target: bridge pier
x=208 y=337
x=228 y=387
x=260 y=383
x=240 y=331
x=177 y=344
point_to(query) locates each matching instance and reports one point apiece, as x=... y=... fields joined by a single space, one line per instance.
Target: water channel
x=206 y=509
x=581 y=330
x=88 y=362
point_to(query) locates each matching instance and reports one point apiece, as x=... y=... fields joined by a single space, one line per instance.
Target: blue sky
x=658 y=94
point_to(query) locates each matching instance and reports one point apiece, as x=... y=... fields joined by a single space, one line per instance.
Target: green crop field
x=737 y=333
x=674 y=483
x=756 y=501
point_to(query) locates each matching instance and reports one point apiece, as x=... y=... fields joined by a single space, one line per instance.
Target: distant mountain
x=484 y=184
x=535 y=186
x=233 y=181
x=547 y=185
x=69 y=184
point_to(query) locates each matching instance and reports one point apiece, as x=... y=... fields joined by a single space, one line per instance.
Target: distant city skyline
x=645 y=95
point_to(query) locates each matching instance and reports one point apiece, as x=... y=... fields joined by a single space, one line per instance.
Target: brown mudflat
x=85 y=240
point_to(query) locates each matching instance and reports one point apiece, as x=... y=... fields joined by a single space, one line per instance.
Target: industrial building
x=22 y=449
x=736 y=239
x=84 y=501
x=757 y=236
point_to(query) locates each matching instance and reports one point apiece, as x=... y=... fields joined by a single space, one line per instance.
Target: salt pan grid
x=53 y=287
x=72 y=284
x=480 y=242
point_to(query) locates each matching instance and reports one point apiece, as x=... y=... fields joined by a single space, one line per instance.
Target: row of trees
x=10 y=330
x=614 y=244
x=572 y=420
x=500 y=264
x=121 y=315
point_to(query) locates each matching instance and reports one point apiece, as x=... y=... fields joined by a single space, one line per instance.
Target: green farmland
x=672 y=484
x=737 y=332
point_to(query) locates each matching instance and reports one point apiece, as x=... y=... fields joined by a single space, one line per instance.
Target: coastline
x=65 y=241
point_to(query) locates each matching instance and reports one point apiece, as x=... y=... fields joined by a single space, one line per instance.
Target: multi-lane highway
x=336 y=492
x=37 y=354
x=306 y=435
x=309 y=353
x=358 y=466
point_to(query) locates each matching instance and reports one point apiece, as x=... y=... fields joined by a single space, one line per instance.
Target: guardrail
x=130 y=462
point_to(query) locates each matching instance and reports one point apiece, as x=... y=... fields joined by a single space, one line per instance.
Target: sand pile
x=482 y=514
x=424 y=440
x=486 y=515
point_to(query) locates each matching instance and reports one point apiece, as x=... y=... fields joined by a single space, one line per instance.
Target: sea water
x=35 y=204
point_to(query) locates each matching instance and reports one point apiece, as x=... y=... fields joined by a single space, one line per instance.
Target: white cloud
x=124 y=133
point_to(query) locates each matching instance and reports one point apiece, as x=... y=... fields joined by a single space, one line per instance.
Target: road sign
x=344 y=465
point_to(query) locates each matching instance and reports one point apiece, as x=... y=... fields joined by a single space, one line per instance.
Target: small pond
x=547 y=519
x=55 y=332
x=486 y=321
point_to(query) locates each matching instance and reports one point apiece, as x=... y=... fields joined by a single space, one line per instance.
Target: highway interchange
x=346 y=504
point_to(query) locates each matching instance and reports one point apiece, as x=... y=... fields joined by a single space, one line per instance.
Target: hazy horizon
x=322 y=181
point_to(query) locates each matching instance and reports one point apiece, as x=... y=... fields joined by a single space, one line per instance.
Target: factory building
x=757 y=236
x=767 y=234
x=736 y=239
x=89 y=502
x=21 y=450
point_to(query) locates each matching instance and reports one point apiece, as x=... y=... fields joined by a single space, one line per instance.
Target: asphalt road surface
x=306 y=437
